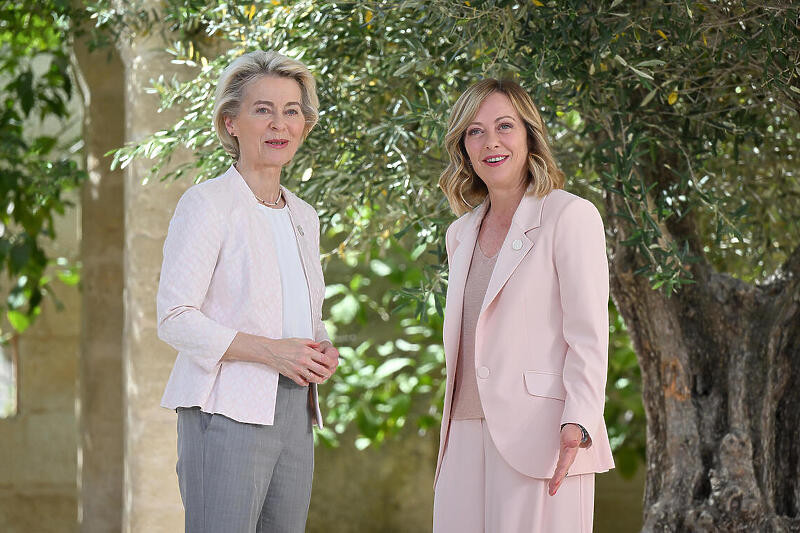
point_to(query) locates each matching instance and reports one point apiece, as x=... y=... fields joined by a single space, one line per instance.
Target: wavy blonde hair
x=253 y=66
x=461 y=185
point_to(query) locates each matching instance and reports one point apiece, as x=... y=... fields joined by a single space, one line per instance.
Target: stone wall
x=38 y=446
x=383 y=489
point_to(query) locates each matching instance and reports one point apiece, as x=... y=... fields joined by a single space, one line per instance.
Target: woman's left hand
x=570 y=442
x=331 y=355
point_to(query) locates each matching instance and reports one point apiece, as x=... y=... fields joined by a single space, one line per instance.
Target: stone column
x=100 y=391
x=151 y=497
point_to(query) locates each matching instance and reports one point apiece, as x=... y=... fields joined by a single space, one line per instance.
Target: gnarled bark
x=720 y=365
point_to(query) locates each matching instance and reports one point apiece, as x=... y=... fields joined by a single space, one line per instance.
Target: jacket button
x=517 y=244
x=483 y=372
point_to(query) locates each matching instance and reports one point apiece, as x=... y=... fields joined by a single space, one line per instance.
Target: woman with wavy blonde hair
x=525 y=331
x=463 y=188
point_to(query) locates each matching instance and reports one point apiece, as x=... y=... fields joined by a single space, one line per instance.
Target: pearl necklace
x=270 y=204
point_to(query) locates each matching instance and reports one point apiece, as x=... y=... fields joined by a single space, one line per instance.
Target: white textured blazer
x=220 y=276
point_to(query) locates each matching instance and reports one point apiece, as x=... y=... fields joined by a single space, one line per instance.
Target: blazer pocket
x=545 y=385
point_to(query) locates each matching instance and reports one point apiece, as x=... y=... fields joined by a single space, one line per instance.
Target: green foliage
x=624 y=412
x=392 y=364
x=650 y=103
x=36 y=164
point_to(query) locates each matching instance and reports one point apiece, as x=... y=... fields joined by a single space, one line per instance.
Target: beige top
x=466 y=401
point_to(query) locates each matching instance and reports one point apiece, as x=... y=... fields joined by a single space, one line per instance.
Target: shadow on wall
x=618 y=502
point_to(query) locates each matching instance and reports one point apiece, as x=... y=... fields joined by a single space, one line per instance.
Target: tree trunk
x=720 y=365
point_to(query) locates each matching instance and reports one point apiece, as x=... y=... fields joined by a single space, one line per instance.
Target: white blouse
x=294 y=286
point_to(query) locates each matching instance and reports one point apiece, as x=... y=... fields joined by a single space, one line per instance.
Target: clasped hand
x=304 y=361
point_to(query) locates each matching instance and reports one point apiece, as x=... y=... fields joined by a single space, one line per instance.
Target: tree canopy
x=657 y=103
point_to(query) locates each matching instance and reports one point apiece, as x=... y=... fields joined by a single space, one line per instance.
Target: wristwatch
x=584 y=433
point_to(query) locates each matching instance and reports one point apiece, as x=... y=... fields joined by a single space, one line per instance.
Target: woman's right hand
x=297 y=359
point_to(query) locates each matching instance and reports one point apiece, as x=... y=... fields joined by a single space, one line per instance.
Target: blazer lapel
x=516 y=245
x=457 y=280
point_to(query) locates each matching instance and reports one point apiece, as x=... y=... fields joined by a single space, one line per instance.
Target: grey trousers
x=244 y=478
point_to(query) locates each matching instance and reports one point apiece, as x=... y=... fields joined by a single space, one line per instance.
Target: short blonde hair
x=463 y=188
x=252 y=66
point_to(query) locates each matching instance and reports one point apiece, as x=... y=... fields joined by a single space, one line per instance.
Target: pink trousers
x=478 y=492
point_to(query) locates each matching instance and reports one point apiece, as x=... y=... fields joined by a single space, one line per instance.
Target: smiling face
x=270 y=123
x=497 y=144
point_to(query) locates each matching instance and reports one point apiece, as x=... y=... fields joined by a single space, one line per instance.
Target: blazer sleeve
x=191 y=250
x=320 y=331
x=582 y=269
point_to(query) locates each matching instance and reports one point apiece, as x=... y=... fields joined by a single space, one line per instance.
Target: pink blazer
x=541 y=341
x=220 y=276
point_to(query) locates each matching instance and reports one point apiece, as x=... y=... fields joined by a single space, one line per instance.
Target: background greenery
x=38 y=162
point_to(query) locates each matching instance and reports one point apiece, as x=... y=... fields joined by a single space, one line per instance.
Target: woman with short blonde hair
x=248 y=67
x=525 y=328
x=240 y=298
